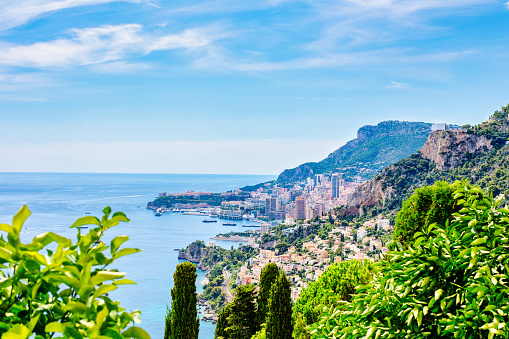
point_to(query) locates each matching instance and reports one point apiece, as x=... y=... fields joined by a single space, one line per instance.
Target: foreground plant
x=54 y=286
x=452 y=282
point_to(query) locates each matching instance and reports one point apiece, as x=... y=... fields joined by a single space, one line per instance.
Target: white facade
x=439 y=127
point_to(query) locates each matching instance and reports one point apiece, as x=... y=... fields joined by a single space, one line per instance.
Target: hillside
x=479 y=153
x=374 y=148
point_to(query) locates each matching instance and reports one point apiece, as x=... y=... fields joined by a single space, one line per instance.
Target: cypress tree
x=279 y=318
x=268 y=276
x=182 y=321
x=242 y=321
x=222 y=322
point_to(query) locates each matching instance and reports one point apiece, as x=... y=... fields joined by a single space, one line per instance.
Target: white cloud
x=507 y=4
x=236 y=156
x=101 y=44
x=17 y=12
x=395 y=84
x=121 y=67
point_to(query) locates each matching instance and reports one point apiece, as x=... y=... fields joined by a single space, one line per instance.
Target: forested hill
x=479 y=153
x=374 y=148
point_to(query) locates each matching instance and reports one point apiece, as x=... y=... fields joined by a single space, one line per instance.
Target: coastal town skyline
x=243 y=88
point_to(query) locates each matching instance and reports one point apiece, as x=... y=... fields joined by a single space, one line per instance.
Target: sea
x=56 y=200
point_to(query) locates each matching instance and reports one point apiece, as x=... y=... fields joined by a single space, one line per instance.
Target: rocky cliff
x=374 y=148
x=194 y=253
x=449 y=149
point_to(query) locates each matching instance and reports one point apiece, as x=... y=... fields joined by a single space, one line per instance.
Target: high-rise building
x=270 y=205
x=264 y=228
x=311 y=182
x=336 y=183
x=319 y=179
x=300 y=208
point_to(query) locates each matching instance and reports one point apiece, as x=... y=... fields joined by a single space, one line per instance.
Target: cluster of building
x=304 y=200
x=305 y=265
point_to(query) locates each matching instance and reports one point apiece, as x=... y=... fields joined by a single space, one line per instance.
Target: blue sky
x=225 y=86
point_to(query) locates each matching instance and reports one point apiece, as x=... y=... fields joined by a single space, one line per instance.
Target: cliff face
x=367 y=195
x=374 y=148
x=194 y=252
x=448 y=149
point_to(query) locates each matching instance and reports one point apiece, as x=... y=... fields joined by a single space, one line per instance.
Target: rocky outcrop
x=194 y=253
x=448 y=149
x=367 y=195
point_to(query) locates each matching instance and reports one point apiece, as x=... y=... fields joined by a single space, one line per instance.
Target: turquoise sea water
x=58 y=199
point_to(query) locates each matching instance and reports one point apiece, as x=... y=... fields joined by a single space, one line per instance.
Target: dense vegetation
x=338 y=282
x=375 y=148
x=450 y=283
x=214 y=199
x=220 y=259
x=56 y=287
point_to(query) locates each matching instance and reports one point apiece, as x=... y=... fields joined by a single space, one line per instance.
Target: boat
x=209 y=220
x=176 y=249
x=88 y=213
x=159 y=213
x=250 y=225
x=81 y=226
x=229 y=224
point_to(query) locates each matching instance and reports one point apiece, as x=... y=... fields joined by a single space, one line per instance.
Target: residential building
x=300 y=208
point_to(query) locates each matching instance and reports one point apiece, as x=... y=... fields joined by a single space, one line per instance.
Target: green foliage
x=63 y=291
x=241 y=324
x=182 y=319
x=338 y=282
x=279 y=318
x=214 y=199
x=261 y=334
x=451 y=283
x=222 y=322
x=267 y=278
x=428 y=205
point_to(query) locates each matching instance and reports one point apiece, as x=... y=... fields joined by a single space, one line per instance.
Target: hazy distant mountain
x=374 y=148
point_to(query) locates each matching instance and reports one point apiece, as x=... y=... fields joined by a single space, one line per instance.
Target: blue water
x=58 y=199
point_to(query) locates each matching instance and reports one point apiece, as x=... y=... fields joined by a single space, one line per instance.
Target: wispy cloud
x=102 y=44
x=121 y=67
x=17 y=12
x=395 y=85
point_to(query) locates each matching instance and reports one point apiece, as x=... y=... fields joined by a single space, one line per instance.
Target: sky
x=235 y=87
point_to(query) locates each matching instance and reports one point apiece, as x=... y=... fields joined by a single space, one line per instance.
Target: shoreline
x=232 y=238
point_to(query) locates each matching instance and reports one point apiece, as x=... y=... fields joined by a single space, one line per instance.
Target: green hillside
x=374 y=148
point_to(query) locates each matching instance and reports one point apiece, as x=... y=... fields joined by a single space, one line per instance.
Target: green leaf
x=54 y=327
x=125 y=251
x=88 y=220
x=6 y=228
x=103 y=289
x=116 y=242
x=18 y=331
x=101 y=276
x=76 y=307
x=136 y=332
x=478 y=241
x=20 y=218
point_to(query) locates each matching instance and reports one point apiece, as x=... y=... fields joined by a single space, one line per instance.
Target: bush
x=64 y=289
x=451 y=283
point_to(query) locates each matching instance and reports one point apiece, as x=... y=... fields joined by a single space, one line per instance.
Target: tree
x=450 y=283
x=222 y=322
x=338 y=282
x=54 y=286
x=182 y=321
x=242 y=321
x=279 y=319
x=268 y=276
x=428 y=205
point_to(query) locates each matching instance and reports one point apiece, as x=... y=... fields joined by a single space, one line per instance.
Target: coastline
x=232 y=238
